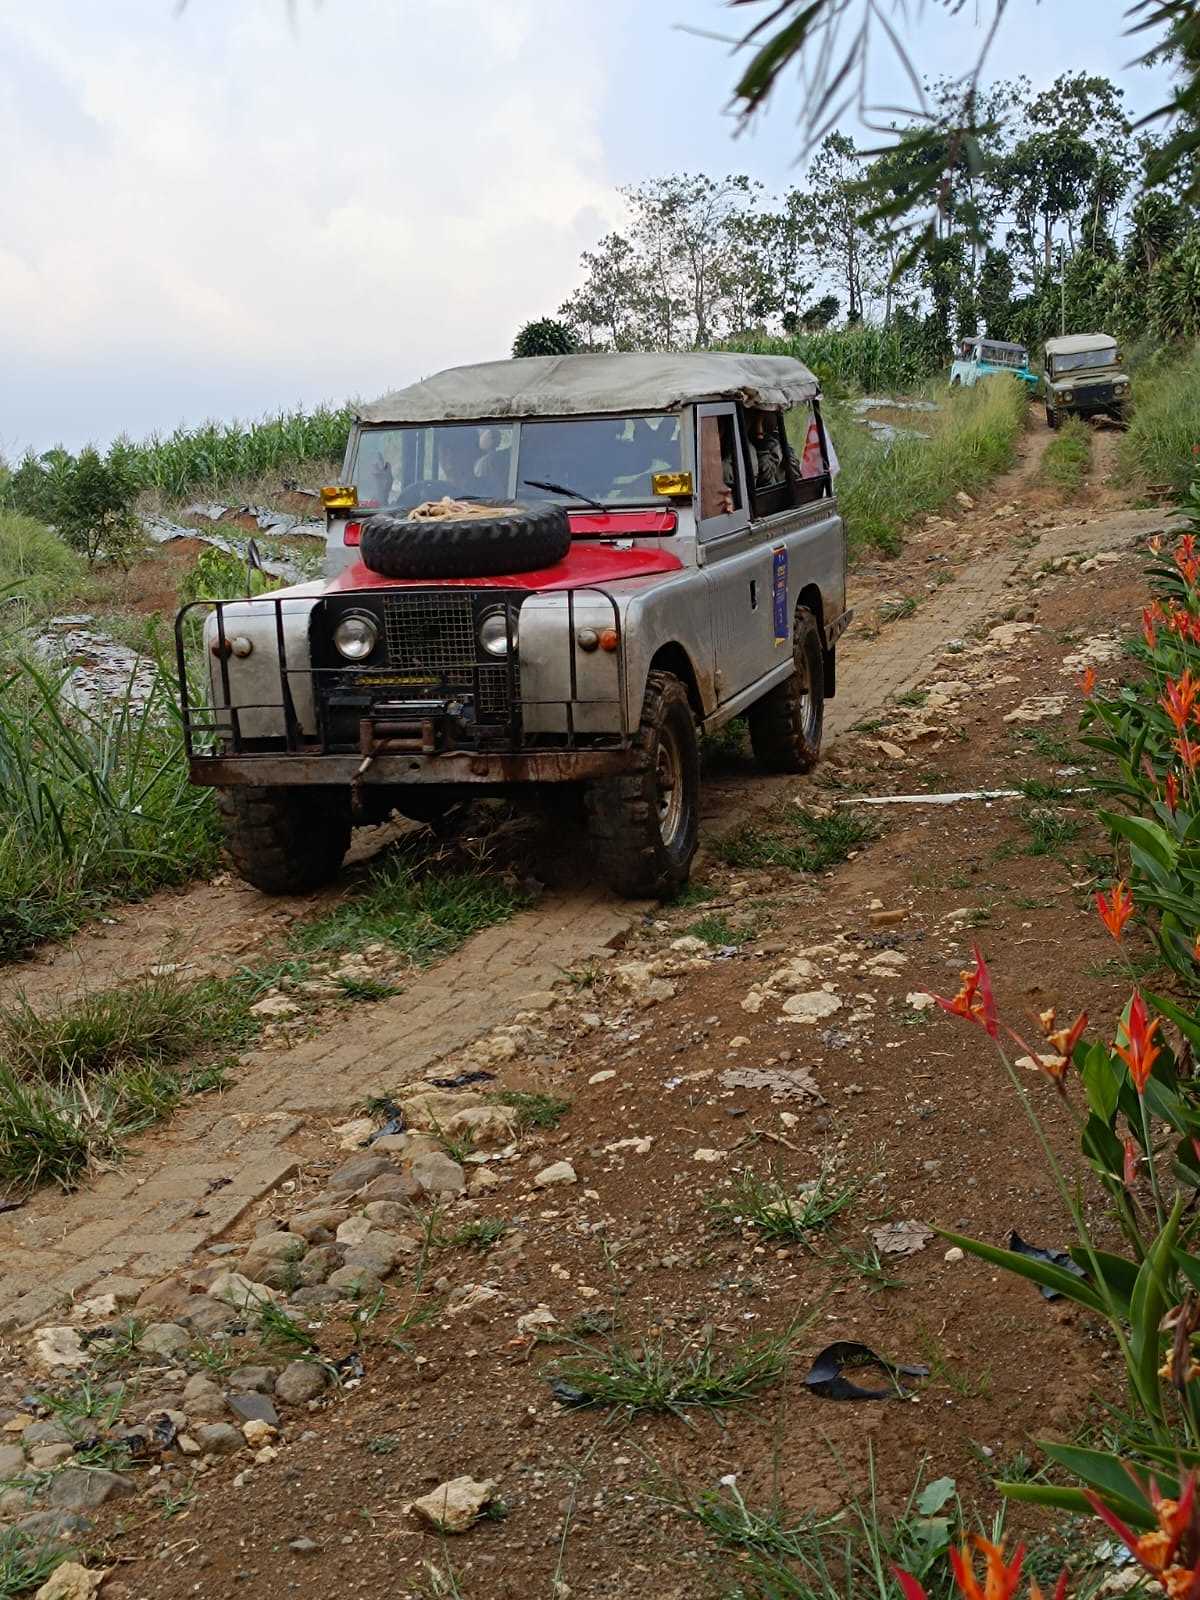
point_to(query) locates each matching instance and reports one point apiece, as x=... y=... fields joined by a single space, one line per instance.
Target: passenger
x=766 y=450
x=458 y=452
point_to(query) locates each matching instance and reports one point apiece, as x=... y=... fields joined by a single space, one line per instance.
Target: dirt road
x=778 y=1040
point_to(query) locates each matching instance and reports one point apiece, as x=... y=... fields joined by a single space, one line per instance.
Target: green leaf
x=1045 y=1494
x=1146 y=835
x=1100 y=1470
x=1188 y=1024
x=1043 y=1272
x=935 y=1495
x=1102 y=1080
x=1147 y=1308
x=1119 y=1273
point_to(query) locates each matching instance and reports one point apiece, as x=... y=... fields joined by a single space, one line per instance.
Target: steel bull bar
x=399 y=745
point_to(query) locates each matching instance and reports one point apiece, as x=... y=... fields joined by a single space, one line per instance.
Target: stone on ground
x=456 y=1505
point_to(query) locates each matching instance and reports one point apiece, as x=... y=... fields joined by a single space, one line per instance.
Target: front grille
x=432 y=639
x=435 y=632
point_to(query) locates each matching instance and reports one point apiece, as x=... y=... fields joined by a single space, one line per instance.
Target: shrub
x=88 y=499
x=36 y=568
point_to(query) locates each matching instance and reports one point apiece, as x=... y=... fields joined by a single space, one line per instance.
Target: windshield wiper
x=561 y=488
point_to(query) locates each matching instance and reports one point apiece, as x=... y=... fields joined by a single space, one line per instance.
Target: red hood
x=584 y=564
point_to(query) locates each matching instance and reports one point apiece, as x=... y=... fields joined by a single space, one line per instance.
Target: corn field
x=220 y=453
x=868 y=359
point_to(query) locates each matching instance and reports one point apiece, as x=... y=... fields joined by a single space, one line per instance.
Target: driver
x=458 y=451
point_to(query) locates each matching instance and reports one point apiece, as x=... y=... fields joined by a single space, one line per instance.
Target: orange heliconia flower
x=1188 y=751
x=1087 y=680
x=974 y=1000
x=1179 y=698
x=1157 y=1550
x=1115 y=913
x=1149 y=628
x=1171 y=790
x=1139 y=1052
x=1001 y=1577
x=1062 y=1041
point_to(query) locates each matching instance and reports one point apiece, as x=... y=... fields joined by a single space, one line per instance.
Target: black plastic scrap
x=826 y=1376
x=567 y=1394
x=349 y=1368
x=462 y=1080
x=395 y=1121
x=1056 y=1258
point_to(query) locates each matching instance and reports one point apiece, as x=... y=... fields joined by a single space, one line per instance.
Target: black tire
x=520 y=539
x=440 y=808
x=786 y=724
x=1051 y=418
x=645 y=829
x=285 y=841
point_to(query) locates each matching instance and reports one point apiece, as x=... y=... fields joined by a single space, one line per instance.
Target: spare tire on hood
x=493 y=539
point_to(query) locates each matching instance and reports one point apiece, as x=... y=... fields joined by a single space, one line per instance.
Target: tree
x=545 y=337
x=995 y=293
x=88 y=500
x=605 y=309
x=835 y=210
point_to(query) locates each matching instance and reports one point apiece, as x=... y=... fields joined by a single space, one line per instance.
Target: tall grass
x=94 y=805
x=863 y=358
x=883 y=488
x=1165 y=427
x=220 y=453
x=37 y=570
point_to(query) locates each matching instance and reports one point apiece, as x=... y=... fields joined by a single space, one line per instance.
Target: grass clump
x=794 y=838
x=26 y=1562
x=1067 y=457
x=884 y=487
x=534 y=1110
x=781 y=1218
x=78 y=1081
x=1157 y=448
x=719 y=931
x=95 y=805
x=647 y=1378
x=479 y=1236
x=423 y=914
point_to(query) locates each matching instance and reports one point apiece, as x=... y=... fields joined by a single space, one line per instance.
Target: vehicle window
x=720 y=494
x=804 y=435
x=1079 y=360
x=402 y=466
x=610 y=459
x=999 y=357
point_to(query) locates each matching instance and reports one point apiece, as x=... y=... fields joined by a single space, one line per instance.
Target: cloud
x=374 y=192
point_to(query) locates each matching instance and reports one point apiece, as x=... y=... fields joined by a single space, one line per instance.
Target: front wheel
x=1051 y=418
x=786 y=724
x=644 y=825
x=285 y=841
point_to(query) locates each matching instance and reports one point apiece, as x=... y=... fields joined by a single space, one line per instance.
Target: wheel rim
x=805 y=698
x=669 y=787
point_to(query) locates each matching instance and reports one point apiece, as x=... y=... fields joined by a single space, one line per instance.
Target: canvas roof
x=1000 y=344
x=607 y=383
x=1073 y=343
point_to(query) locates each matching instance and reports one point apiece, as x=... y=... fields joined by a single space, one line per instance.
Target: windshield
x=1077 y=360
x=998 y=357
x=610 y=460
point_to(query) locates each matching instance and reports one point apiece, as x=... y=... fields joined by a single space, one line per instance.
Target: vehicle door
x=736 y=557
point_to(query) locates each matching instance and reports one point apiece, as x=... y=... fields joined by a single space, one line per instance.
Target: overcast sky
x=221 y=213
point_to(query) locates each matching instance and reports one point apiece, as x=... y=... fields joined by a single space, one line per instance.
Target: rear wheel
x=285 y=841
x=644 y=825
x=786 y=724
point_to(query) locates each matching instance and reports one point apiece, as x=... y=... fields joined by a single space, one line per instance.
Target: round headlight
x=1068 y=394
x=493 y=632
x=356 y=635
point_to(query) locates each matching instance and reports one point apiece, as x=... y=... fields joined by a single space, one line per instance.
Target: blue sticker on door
x=779 y=595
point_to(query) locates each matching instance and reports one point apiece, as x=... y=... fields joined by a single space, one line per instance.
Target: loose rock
x=557 y=1172
x=455 y=1506
x=300 y=1381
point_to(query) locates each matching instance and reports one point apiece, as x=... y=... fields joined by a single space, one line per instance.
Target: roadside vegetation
x=77 y=1082
x=1067 y=457
x=883 y=488
x=1159 y=448
x=95 y=804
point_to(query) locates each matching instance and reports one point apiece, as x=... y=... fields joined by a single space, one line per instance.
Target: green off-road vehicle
x=1084 y=378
